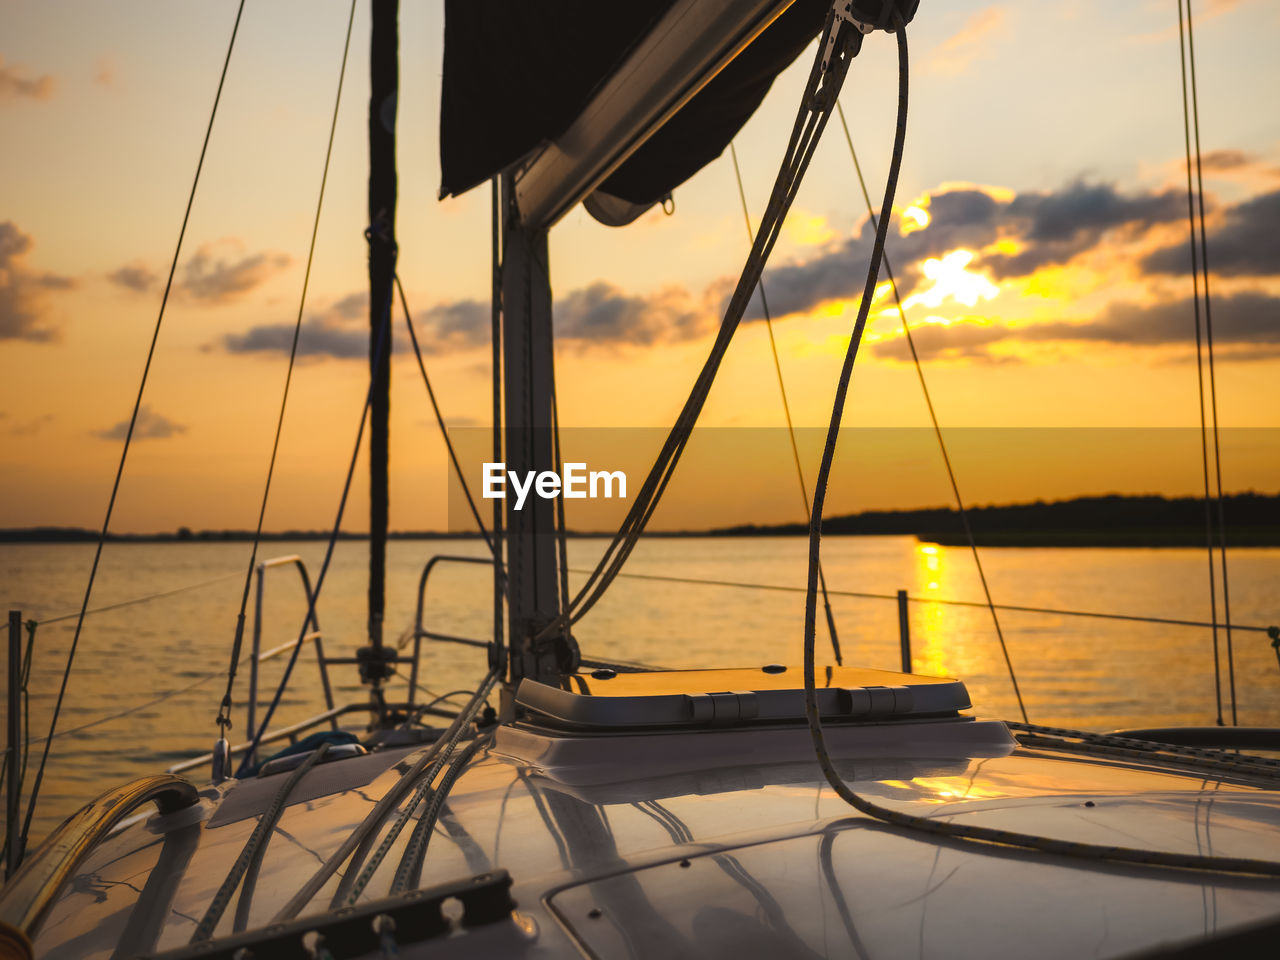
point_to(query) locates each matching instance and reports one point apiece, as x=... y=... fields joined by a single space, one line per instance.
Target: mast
x=528 y=384
x=384 y=75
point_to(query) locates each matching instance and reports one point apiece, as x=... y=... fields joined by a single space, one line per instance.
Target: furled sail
x=517 y=75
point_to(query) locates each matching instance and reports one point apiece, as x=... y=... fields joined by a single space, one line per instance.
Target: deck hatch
x=700 y=698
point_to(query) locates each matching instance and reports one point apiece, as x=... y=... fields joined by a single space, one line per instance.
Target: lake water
x=1089 y=673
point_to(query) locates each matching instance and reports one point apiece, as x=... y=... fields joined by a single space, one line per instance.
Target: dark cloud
x=314 y=340
x=1050 y=227
x=1057 y=226
x=150 y=426
x=1245 y=318
x=22 y=290
x=1246 y=326
x=211 y=279
x=136 y=276
x=601 y=313
x=28 y=428
x=1246 y=243
x=936 y=341
x=15 y=82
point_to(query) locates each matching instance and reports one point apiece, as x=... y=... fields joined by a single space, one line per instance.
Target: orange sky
x=1040 y=241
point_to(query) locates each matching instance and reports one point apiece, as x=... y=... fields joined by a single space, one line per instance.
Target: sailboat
x=574 y=807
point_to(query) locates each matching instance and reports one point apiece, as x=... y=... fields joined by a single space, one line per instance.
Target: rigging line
x=254 y=847
x=1213 y=389
x=1195 y=305
x=413 y=767
x=674 y=444
x=787 y=588
x=409 y=872
x=968 y=833
x=562 y=541
x=128 y=437
x=933 y=418
x=224 y=710
x=786 y=410
x=256 y=736
x=495 y=337
x=825 y=78
x=435 y=406
x=136 y=600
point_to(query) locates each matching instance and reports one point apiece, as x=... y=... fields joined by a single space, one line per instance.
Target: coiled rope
x=955 y=831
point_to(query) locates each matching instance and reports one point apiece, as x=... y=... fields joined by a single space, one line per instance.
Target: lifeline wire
x=933 y=418
x=224 y=710
x=128 y=437
x=963 y=832
x=1208 y=331
x=786 y=409
x=837 y=46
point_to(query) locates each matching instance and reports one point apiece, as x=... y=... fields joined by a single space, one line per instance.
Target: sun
x=952 y=280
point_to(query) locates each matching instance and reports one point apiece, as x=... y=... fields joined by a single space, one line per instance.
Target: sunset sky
x=1040 y=240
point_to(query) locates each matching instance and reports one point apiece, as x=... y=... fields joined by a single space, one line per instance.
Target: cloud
x=955 y=53
x=212 y=279
x=601 y=313
x=1045 y=228
x=30 y=427
x=150 y=426
x=1244 y=243
x=22 y=290
x=953 y=341
x=1241 y=319
x=16 y=82
x=135 y=276
x=1246 y=326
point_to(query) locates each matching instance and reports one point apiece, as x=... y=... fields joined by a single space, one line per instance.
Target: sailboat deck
x=736 y=844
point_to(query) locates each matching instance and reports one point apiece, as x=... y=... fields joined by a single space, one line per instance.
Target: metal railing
x=32 y=889
x=314 y=636
x=419 y=631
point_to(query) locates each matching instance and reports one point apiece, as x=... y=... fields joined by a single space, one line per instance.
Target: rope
x=786 y=410
x=836 y=48
x=254 y=847
x=257 y=735
x=409 y=872
x=933 y=418
x=1208 y=331
x=1235 y=761
x=224 y=710
x=1195 y=307
x=964 y=832
x=453 y=735
x=124 y=453
x=444 y=431
x=395 y=793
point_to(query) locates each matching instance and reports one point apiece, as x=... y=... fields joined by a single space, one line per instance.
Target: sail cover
x=517 y=75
